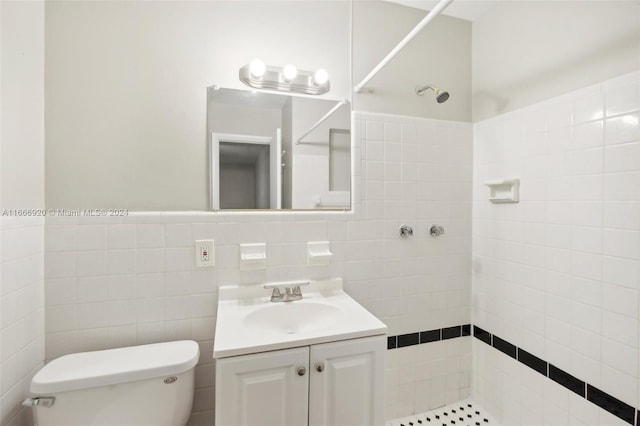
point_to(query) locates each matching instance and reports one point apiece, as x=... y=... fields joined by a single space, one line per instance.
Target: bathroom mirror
x=275 y=151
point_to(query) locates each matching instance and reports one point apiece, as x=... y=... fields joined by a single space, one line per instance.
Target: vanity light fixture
x=257 y=75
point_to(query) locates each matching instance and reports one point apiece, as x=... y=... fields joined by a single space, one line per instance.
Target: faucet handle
x=276 y=292
x=285 y=291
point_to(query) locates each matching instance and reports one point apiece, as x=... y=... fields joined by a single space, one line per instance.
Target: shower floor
x=461 y=413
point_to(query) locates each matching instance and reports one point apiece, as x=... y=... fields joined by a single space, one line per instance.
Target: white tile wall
x=132 y=280
x=21 y=313
x=516 y=395
x=422 y=377
x=557 y=274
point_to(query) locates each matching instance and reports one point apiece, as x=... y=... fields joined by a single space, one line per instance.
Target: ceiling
x=470 y=10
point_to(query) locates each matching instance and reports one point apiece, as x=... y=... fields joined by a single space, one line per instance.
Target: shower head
x=441 y=96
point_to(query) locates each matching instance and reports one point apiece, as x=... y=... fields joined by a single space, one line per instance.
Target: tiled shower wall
x=557 y=274
x=21 y=313
x=124 y=281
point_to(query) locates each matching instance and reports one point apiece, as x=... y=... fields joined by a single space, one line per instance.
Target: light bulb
x=321 y=77
x=289 y=72
x=257 y=68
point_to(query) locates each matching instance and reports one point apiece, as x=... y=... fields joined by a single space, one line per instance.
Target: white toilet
x=149 y=385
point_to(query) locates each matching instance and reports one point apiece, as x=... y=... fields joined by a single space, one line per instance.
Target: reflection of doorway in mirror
x=243 y=174
x=245 y=171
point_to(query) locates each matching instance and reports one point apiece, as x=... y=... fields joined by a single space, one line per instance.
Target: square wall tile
x=121 y=236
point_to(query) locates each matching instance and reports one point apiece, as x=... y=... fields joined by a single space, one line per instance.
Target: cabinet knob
x=320 y=367
x=301 y=371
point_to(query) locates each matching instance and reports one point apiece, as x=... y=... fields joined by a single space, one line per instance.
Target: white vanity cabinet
x=346 y=386
x=328 y=384
x=268 y=388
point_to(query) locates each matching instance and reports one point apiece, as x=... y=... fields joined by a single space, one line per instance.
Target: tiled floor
x=461 y=413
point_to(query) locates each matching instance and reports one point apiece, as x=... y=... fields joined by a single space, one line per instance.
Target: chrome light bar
x=273 y=78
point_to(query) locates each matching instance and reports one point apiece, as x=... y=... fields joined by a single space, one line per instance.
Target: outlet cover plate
x=205 y=253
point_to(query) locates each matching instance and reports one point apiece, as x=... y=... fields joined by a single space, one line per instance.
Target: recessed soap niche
x=504 y=190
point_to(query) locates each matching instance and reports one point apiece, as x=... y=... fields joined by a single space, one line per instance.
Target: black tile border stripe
x=533 y=362
x=428 y=336
x=392 y=342
x=479 y=333
x=505 y=347
x=611 y=404
x=408 y=339
x=567 y=380
x=451 y=332
x=594 y=395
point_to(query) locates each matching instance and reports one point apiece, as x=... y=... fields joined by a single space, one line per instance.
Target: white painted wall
x=22 y=183
x=22 y=187
x=439 y=55
x=126 y=89
x=529 y=51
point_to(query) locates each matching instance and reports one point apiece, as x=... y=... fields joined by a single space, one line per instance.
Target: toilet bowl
x=148 y=385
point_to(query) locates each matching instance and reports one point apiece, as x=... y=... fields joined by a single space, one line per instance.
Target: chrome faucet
x=286 y=292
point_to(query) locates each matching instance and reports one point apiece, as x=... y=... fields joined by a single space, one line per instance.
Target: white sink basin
x=293 y=317
x=248 y=322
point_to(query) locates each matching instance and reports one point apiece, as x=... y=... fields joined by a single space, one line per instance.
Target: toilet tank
x=148 y=385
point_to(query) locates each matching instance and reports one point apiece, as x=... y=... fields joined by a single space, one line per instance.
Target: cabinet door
x=263 y=389
x=349 y=389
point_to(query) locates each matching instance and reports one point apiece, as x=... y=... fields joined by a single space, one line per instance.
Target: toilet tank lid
x=112 y=366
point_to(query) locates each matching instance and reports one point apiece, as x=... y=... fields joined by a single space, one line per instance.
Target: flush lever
x=44 y=401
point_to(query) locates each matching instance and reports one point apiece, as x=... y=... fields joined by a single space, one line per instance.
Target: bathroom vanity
x=314 y=361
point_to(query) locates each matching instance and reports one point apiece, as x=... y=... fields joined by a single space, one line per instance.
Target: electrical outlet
x=205 y=251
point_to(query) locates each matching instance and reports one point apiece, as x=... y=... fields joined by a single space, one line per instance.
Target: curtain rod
x=414 y=32
x=322 y=120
